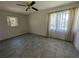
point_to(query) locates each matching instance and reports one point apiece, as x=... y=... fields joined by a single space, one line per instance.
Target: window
x=59 y=21
x=12 y=21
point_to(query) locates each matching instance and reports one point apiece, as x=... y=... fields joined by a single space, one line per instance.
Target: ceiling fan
x=29 y=5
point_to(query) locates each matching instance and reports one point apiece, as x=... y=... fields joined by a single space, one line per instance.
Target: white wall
x=8 y=32
x=38 y=22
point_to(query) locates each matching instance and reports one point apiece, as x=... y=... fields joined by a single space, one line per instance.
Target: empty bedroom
x=39 y=29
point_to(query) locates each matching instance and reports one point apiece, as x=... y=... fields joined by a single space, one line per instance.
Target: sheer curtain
x=76 y=27
x=58 y=21
x=63 y=23
x=70 y=32
x=73 y=24
x=58 y=24
x=76 y=22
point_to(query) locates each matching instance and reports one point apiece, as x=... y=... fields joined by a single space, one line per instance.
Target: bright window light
x=59 y=21
x=12 y=21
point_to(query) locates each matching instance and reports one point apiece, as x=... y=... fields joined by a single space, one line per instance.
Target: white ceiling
x=41 y=5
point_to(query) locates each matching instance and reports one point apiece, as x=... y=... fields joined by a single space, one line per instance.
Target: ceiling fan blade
x=27 y=9
x=34 y=8
x=32 y=3
x=20 y=5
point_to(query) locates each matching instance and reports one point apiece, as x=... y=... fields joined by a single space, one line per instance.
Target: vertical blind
x=59 y=21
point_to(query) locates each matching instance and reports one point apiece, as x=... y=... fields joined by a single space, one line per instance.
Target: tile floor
x=34 y=46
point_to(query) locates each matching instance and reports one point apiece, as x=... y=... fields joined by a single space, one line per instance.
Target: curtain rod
x=63 y=10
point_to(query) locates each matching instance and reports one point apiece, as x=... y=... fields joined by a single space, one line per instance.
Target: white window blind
x=59 y=21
